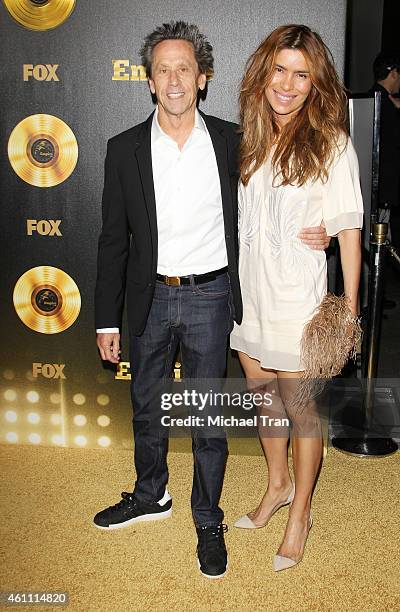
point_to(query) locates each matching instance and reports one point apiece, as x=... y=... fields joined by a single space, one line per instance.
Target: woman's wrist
x=353 y=306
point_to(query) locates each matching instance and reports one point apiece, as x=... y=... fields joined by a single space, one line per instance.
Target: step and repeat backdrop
x=71 y=79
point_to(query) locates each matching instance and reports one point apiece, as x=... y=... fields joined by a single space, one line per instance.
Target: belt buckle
x=172 y=281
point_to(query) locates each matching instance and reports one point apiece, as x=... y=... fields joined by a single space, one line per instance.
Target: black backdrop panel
x=62 y=403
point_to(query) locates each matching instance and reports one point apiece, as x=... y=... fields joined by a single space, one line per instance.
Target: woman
x=298 y=168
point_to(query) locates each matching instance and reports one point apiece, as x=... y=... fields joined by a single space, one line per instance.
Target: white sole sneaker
x=210 y=575
x=156 y=516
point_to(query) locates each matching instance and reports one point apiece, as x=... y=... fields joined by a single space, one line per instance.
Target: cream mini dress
x=282 y=279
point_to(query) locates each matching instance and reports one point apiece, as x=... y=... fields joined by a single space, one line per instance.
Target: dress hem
x=265 y=367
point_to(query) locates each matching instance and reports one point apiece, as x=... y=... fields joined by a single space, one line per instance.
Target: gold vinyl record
x=40 y=14
x=47 y=300
x=43 y=150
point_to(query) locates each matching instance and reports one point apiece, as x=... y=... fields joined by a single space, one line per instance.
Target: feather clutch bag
x=329 y=340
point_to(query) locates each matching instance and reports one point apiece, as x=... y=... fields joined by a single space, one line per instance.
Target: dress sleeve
x=342 y=202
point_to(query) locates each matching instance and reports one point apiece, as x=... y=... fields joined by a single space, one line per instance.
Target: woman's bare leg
x=274 y=441
x=307 y=445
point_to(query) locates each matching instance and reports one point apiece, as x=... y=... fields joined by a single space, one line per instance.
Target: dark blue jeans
x=199 y=318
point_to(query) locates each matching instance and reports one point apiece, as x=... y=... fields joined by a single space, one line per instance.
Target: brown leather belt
x=197 y=278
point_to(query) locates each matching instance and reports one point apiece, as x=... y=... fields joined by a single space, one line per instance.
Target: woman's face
x=290 y=85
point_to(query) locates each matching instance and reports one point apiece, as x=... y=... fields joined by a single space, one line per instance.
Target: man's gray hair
x=179 y=30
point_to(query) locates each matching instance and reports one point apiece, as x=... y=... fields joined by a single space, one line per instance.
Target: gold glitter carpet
x=49 y=495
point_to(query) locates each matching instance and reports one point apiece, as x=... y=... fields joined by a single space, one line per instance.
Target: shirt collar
x=157 y=132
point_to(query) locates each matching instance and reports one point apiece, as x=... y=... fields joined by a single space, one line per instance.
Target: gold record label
x=47 y=300
x=43 y=150
x=40 y=14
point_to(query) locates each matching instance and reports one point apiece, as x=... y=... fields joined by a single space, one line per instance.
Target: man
x=386 y=69
x=170 y=232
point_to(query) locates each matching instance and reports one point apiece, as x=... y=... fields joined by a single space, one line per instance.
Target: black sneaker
x=211 y=551
x=130 y=510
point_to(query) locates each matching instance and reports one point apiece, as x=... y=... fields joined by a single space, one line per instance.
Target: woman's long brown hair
x=306 y=144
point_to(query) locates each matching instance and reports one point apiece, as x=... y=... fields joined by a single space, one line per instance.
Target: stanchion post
x=365 y=445
x=375 y=310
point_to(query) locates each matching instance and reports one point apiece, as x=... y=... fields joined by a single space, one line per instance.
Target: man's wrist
x=108 y=330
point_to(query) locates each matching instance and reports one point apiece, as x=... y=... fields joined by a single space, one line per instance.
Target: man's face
x=175 y=78
x=396 y=84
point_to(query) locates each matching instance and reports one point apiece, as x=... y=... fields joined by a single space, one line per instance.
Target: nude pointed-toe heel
x=281 y=563
x=245 y=522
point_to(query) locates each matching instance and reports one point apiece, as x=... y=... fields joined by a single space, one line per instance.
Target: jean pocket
x=219 y=287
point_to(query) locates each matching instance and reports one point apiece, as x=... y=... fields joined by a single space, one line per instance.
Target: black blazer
x=127 y=251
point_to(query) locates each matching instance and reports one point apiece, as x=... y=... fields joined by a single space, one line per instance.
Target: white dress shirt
x=191 y=236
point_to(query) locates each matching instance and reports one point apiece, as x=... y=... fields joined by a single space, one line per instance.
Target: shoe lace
x=212 y=535
x=128 y=499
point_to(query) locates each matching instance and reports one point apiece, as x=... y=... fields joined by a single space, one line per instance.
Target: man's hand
x=315 y=237
x=109 y=346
